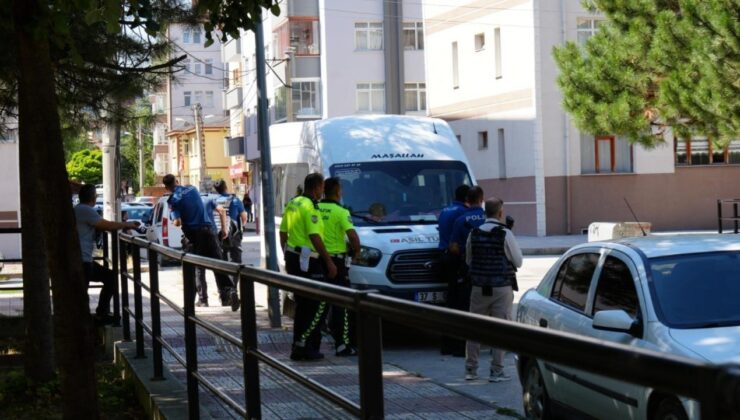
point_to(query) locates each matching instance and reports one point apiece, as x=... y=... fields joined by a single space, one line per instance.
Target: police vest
x=489 y=266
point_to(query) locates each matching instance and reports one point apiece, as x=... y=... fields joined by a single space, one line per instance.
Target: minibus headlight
x=368 y=257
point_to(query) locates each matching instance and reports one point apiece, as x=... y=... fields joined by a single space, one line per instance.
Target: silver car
x=677 y=294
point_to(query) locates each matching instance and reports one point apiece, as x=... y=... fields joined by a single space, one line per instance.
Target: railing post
x=249 y=342
x=719 y=215
x=191 y=344
x=138 y=308
x=153 y=258
x=122 y=261
x=116 y=291
x=735 y=215
x=370 y=348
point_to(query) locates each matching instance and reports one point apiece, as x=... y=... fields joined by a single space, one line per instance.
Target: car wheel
x=670 y=409
x=534 y=394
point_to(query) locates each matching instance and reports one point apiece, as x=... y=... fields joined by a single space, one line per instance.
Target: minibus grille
x=420 y=266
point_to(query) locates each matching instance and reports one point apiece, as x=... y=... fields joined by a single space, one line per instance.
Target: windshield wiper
x=365 y=217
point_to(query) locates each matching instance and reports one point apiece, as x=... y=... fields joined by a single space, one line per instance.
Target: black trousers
x=232 y=251
x=97 y=273
x=205 y=243
x=458 y=297
x=341 y=320
x=309 y=314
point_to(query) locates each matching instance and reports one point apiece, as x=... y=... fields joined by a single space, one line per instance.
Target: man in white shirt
x=492 y=255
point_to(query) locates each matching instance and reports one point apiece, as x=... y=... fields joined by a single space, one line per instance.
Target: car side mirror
x=617 y=320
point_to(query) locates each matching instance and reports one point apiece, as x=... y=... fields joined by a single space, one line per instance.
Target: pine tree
x=655 y=64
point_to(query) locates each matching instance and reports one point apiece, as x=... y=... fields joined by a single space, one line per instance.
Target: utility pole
x=141 y=160
x=200 y=138
x=111 y=181
x=268 y=204
x=289 y=88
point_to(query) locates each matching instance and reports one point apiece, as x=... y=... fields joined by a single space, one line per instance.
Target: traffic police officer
x=337 y=228
x=301 y=237
x=449 y=264
x=189 y=211
x=458 y=295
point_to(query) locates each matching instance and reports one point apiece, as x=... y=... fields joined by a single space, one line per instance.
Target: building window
x=587 y=28
x=368 y=36
x=371 y=97
x=497 y=47
x=196 y=36
x=480 y=41
x=455 y=69
x=501 y=143
x=196 y=67
x=701 y=151
x=415 y=97
x=482 y=140
x=209 y=98
x=306 y=98
x=413 y=35
x=198 y=97
x=209 y=66
x=186 y=97
x=605 y=155
x=186 y=36
x=304 y=37
x=186 y=65
x=236 y=77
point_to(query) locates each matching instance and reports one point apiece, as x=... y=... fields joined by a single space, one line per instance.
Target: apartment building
x=201 y=81
x=491 y=74
x=326 y=58
x=10 y=207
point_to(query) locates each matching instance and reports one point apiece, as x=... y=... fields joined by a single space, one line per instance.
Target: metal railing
x=716 y=387
x=735 y=215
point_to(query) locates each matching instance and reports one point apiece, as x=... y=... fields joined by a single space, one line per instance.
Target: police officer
x=458 y=295
x=337 y=228
x=232 y=245
x=193 y=213
x=449 y=264
x=492 y=255
x=301 y=237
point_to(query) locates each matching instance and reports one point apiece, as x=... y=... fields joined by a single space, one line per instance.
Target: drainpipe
x=566 y=132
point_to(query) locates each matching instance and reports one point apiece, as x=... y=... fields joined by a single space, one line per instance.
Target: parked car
x=141 y=214
x=162 y=230
x=675 y=294
x=146 y=200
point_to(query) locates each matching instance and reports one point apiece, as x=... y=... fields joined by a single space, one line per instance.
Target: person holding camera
x=492 y=255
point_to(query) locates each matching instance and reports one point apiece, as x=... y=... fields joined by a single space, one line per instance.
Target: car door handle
x=543 y=323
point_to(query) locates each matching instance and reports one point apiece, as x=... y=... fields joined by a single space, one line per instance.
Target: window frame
x=299 y=81
x=588 y=305
x=590 y=31
x=635 y=281
x=483 y=135
x=455 y=65
x=365 y=32
x=370 y=91
x=187 y=97
x=419 y=89
x=418 y=28
x=710 y=150
x=208 y=66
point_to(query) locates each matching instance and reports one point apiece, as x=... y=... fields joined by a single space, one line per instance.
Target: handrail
x=712 y=385
x=736 y=214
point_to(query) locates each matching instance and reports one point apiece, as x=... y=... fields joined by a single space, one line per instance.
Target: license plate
x=431 y=297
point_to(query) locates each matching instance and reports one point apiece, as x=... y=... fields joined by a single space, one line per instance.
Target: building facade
x=201 y=81
x=10 y=206
x=492 y=76
x=326 y=58
x=194 y=166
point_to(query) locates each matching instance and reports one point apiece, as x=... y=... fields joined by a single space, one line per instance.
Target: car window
x=616 y=288
x=574 y=278
x=158 y=217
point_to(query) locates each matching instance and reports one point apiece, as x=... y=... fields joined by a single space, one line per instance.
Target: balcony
x=232 y=50
x=234 y=98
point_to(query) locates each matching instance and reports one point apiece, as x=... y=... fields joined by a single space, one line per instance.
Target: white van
x=161 y=230
x=397 y=173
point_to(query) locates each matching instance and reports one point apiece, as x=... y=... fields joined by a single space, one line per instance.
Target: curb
x=161 y=399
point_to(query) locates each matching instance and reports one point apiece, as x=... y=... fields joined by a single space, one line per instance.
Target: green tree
x=47 y=38
x=86 y=166
x=656 y=64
